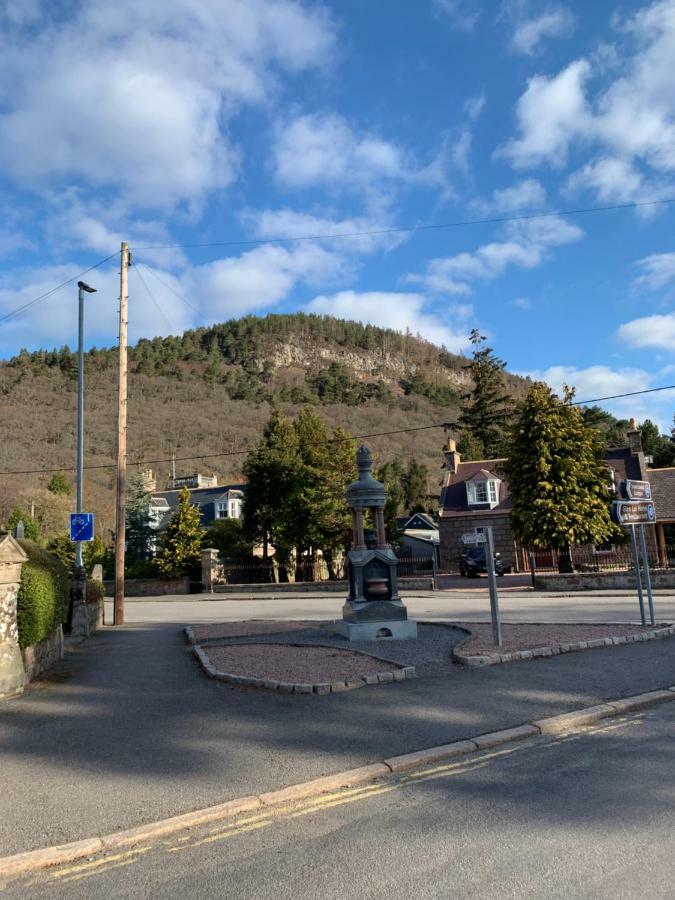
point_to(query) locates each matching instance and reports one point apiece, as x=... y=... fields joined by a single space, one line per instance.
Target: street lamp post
x=80 y=622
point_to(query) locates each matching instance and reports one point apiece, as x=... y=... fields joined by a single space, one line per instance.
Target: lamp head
x=85 y=287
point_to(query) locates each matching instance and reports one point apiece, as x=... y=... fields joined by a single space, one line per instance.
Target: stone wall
x=452 y=528
x=410 y=583
x=40 y=657
x=600 y=581
x=12 y=673
x=150 y=587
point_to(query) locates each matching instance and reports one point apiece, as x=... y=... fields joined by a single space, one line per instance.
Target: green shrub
x=44 y=595
x=95 y=591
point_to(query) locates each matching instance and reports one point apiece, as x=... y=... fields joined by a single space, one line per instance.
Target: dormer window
x=482 y=489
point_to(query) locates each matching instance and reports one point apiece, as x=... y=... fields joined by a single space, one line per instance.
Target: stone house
x=475 y=495
x=214 y=503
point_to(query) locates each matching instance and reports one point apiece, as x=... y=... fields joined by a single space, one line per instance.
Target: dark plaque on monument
x=373 y=609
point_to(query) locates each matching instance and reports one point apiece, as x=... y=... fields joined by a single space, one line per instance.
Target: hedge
x=44 y=595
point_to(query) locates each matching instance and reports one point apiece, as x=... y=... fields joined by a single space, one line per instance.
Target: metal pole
x=648 y=580
x=638 y=575
x=494 y=600
x=80 y=622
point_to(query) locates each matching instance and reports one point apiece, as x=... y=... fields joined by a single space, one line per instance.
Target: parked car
x=473 y=563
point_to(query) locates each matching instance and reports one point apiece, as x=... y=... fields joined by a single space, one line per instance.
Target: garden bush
x=44 y=593
x=95 y=591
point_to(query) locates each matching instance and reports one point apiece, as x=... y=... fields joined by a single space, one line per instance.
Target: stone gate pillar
x=209 y=563
x=12 y=674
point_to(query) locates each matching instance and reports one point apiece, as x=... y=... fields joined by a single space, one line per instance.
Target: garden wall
x=600 y=581
x=150 y=587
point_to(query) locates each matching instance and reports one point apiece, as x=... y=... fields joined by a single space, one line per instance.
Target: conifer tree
x=415 y=487
x=558 y=479
x=487 y=408
x=392 y=474
x=138 y=533
x=181 y=547
x=59 y=484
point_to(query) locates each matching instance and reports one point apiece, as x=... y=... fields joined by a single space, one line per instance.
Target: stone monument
x=373 y=609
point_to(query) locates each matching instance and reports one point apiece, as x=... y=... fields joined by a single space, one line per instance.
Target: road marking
x=92 y=872
x=97 y=863
x=221 y=836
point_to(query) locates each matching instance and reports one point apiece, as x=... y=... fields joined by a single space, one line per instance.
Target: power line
x=667 y=387
x=152 y=298
x=167 y=286
x=227 y=453
x=356 y=437
x=16 y=313
x=494 y=220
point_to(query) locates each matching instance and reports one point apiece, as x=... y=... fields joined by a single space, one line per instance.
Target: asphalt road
x=587 y=814
x=469 y=605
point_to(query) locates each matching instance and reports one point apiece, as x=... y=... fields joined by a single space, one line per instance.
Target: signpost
x=637 y=510
x=474 y=538
x=81 y=527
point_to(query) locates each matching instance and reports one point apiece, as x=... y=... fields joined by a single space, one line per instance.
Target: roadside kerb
x=495 y=659
x=59 y=854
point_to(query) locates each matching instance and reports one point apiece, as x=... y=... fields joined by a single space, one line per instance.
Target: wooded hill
x=209 y=391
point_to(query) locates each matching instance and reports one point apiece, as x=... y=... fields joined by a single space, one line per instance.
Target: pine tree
x=181 y=547
x=59 y=484
x=392 y=474
x=139 y=534
x=415 y=487
x=487 y=408
x=557 y=476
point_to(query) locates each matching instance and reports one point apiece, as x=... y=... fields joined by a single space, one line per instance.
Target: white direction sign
x=636 y=490
x=474 y=537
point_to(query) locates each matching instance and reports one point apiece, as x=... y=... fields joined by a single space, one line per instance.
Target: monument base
x=12 y=672
x=390 y=630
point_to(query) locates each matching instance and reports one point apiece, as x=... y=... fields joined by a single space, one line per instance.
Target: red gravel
x=295 y=664
x=241 y=629
x=529 y=637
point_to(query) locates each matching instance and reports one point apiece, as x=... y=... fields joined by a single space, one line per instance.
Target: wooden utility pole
x=120 y=536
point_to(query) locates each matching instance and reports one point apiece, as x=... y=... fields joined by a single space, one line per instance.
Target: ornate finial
x=364 y=460
x=633 y=425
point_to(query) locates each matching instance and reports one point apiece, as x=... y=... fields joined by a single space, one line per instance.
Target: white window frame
x=222 y=510
x=489 y=492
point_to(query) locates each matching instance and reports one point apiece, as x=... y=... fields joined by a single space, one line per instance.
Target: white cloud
x=629 y=120
x=136 y=97
x=462 y=14
x=527 y=246
x=526 y=194
x=602 y=381
x=529 y=34
x=658 y=270
x=650 y=332
x=473 y=107
x=522 y=303
x=393 y=310
x=550 y=113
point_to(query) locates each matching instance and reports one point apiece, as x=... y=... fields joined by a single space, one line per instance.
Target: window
x=482 y=492
x=221 y=511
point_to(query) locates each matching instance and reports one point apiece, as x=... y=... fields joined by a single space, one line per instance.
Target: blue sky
x=166 y=121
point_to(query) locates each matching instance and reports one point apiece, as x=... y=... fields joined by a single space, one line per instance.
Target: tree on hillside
x=557 y=476
x=59 y=484
x=181 y=546
x=487 y=407
x=139 y=534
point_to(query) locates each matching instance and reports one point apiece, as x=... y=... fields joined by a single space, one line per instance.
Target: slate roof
x=453 y=499
x=199 y=496
x=408 y=522
x=663 y=492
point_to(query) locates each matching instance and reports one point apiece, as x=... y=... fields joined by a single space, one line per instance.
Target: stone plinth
x=386 y=630
x=12 y=673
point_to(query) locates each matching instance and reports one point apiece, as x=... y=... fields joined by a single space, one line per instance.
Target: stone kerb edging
x=494 y=659
x=288 y=687
x=33 y=860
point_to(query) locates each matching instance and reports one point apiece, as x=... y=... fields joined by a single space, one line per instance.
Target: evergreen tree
x=59 y=484
x=227 y=536
x=181 y=548
x=272 y=473
x=469 y=447
x=31 y=530
x=557 y=476
x=392 y=475
x=487 y=408
x=657 y=445
x=139 y=534
x=415 y=487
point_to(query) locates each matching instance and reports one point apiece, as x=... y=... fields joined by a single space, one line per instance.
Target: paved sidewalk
x=128 y=730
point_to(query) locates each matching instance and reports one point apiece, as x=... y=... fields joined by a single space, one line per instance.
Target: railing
x=612 y=559
x=232 y=571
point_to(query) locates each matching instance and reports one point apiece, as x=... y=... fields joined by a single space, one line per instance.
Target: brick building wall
x=452 y=529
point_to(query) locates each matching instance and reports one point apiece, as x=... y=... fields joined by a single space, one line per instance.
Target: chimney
x=149 y=480
x=634 y=438
x=452 y=457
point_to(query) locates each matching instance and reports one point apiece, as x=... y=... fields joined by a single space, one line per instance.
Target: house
x=214 y=502
x=419 y=536
x=475 y=495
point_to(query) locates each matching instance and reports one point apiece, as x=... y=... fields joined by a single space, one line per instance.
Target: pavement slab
x=127 y=729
